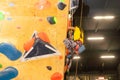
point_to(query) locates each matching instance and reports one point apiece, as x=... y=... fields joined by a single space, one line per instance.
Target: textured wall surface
x=18 y=21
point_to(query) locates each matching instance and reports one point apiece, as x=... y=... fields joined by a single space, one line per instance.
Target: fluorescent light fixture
x=101 y=79
x=106 y=57
x=95 y=38
x=76 y=57
x=103 y=17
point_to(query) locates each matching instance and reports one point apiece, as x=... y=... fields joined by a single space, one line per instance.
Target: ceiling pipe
x=96 y=26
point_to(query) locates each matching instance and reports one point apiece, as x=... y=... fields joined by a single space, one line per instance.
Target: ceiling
x=110 y=29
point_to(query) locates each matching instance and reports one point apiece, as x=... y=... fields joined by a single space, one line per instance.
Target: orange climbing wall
x=21 y=19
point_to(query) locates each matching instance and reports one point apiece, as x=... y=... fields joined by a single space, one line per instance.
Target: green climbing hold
x=1 y=66
x=55 y=19
x=61 y=0
x=2 y=16
x=52 y=20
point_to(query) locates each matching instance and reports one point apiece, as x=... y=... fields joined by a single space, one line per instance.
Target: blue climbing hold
x=8 y=73
x=11 y=4
x=9 y=18
x=10 y=51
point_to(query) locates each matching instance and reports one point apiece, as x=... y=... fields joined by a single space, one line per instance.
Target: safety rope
x=77 y=61
x=81 y=14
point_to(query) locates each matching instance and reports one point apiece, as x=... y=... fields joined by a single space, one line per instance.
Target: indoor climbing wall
x=31 y=39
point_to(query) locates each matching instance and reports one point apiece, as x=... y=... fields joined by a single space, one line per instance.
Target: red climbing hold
x=56 y=76
x=42 y=4
x=29 y=44
x=44 y=37
x=61 y=57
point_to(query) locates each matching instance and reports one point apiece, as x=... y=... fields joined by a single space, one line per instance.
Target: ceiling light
x=110 y=56
x=103 y=17
x=101 y=79
x=76 y=57
x=95 y=38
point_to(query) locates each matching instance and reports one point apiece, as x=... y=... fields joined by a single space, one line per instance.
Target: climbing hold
x=10 y=51
x=62 y=0
x=11 y=4
x=40 y=19
x=9 y=18
x=29 y=44
x=2 y=16
x=41 y=47
x=61 y=57
x=49 y=67
x=8 y=73
x=18 y=27
x=56 y=76
x=61 y=5
x=1 y=66
x=44 y=37
x=43 y=4
x=52 y=20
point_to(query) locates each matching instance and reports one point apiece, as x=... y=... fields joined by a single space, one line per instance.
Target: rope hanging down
x=77 y=61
